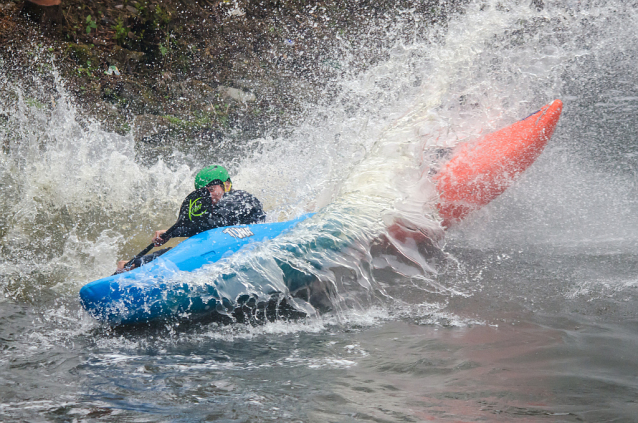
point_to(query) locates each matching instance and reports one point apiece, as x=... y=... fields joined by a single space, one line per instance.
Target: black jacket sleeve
x=236 y=208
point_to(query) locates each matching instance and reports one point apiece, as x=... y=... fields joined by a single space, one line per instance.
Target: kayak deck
x=145 y=293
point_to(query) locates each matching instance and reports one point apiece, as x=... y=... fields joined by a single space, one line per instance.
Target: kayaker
x=213 y=204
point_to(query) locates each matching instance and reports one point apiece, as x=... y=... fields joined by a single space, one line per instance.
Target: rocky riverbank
x=178 y=70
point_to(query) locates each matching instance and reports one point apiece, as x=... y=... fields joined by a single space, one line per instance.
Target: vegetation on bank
x=198 y=69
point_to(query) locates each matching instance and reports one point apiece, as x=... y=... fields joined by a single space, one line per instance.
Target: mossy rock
x=82 y=53
x=127 y=61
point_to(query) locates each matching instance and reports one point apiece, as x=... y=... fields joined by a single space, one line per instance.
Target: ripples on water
x=527 y=312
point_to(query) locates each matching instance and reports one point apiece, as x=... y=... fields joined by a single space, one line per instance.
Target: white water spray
x=77 y=199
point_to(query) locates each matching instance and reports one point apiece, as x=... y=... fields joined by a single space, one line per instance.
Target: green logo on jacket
x=193 y=207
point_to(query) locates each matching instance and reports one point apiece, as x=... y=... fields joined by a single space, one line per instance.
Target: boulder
x=236 y=94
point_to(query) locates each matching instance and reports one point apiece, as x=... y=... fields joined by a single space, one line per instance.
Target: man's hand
x=157 y=239
x=120 y=266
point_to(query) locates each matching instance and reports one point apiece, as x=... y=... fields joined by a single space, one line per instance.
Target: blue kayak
x=152 y=291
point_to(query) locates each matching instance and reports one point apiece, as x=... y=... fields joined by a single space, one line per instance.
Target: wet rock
x=150 y=128
x=127 y=60
x=82 y=53
x=167 y=129
x=138 y=97
x=109 y=116
x=236 y=94
x=237 y=12
x=164 y=81
x=192 y=90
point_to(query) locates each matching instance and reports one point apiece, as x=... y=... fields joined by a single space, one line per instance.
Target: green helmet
x=215 y=173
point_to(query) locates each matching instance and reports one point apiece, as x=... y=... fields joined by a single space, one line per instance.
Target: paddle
x=164 y=236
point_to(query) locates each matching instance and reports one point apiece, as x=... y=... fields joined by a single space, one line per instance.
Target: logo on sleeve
x=238 y=232
x=195 y=206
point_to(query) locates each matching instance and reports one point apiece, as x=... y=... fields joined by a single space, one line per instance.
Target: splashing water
x=77 y=199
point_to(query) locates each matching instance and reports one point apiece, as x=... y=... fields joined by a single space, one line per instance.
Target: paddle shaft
x=164 y=236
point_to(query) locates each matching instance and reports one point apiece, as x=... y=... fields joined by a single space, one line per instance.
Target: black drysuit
x=197 y=214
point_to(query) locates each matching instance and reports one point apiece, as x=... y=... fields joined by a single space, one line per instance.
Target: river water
x=525 y=311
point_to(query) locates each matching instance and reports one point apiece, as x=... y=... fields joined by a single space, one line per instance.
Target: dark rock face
x=202 y=68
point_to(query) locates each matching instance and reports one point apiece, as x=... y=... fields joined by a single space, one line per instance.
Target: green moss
x=34 y=102
x=162 y=16
x=175 y=120
x=82 y=53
